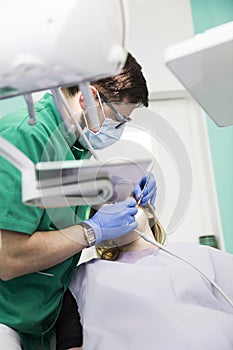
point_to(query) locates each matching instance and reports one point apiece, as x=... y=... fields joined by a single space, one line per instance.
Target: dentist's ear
x=81 y=98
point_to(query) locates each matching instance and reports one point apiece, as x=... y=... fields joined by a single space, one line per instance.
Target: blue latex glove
x=114 y=220
x=149 y=193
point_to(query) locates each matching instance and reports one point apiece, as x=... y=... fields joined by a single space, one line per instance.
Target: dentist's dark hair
x=130 y=85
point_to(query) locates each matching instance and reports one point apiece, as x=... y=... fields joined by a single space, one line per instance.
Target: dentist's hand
x=149 y=193
x=114 y=220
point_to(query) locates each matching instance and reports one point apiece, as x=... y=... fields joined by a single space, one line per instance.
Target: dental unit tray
x=87 y=182
x=75 y=182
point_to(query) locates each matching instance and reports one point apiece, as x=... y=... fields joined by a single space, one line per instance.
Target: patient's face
x=142 y=219
x=143 y=226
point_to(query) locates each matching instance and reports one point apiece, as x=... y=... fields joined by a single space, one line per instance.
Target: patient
x=148 y=299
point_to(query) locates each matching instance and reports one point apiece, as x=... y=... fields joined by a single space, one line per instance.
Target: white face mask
x=105 y=137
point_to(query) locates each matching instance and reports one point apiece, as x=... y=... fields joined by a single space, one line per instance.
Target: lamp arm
x=24 y=165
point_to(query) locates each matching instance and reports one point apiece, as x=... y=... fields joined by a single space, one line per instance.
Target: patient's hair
x=109 y=251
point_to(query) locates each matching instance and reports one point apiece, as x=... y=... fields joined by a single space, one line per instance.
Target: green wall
x=208 y=14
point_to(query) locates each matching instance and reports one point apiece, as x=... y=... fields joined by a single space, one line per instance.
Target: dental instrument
x=143 y=190
x=145 y=185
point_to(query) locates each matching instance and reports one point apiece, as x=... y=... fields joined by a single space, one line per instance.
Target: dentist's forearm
x=21 y=253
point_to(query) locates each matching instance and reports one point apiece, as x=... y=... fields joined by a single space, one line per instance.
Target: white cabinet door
x=201 y=216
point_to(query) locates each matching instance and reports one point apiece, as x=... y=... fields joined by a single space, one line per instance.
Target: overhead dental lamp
x=204 y=65
x=57 y=43
x=52 y=43
x=49 y=44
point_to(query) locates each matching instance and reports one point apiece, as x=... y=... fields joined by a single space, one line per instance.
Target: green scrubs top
x=30 y=304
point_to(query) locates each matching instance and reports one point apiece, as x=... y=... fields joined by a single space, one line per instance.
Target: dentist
x=36 y=257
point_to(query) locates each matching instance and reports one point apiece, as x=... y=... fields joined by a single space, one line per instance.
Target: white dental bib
x=150 y=300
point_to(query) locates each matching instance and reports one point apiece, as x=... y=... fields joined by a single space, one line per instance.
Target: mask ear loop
x=101 y=104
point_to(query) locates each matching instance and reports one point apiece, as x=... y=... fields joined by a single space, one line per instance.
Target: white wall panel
x=153 y=26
